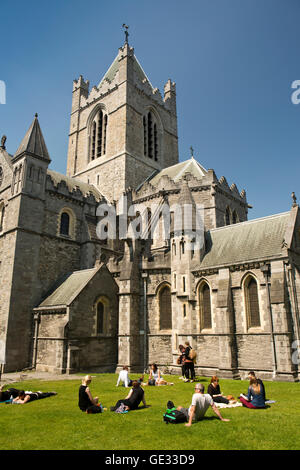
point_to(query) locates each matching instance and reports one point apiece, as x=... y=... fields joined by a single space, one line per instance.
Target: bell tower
x=122 y=130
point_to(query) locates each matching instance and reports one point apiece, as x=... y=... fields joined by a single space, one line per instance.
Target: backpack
x=193 y=355
x=121 y=409
x=174 y=416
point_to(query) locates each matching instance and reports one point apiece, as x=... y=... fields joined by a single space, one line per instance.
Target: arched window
x=65 y=224
x=98 y=135
x=181 y=247
x=165 y=308
x=150 y=129
x=205 y=306
x=252 y=302
x=235 y=218
x=100 y=318
x=227 y=216
x=94 y=128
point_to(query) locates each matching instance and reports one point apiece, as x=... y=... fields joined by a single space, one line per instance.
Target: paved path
x=11 y=377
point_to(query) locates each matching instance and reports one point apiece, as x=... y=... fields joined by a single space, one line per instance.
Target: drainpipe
x=266 y=271
x=145 y=277
x=36 y=333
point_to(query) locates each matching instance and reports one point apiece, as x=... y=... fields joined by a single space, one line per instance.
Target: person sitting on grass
x=215 y=392
x=155 y=377
x=200 y=403
x=255 y=397
x=26 y=397
x=123 y=377
x=133 y=399
x=251 y=375
x=86 y=401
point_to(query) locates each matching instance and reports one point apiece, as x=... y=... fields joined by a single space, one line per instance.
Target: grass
x=56 y=423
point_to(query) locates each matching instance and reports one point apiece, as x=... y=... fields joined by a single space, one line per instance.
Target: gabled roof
x=69 y=288
x=254 y=240
x=33 y=142
x=176 y=172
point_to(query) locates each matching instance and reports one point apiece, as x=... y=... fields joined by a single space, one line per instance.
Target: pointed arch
x=228 y=216
x=66 y=223
x=152 y=134
x=165 y=306
x=205 y=310
x=235 y=217
x=97 y=132
x=251 y=296
x=102 y=315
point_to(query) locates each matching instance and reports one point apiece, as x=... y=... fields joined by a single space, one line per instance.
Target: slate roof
x=253 y=240
x=176 y=172
x=34 y=142
x=69 y=288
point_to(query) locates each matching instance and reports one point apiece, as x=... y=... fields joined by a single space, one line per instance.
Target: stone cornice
x=244 y=266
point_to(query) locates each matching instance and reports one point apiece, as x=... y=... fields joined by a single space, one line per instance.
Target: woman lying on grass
x=26 y=397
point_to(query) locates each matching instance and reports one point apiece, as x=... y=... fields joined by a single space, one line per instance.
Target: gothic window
x=98 y=135
x=205 y=306
x=155 y=142
x=65 y=224
x=184 y=310
x=30 y=172
x=100 y=318
x=235 y=218
x=183 y=284
x=165 y=308
x=151 y=148
x=252 y=302
x=104 y=134
x=94 y=127
x=227 y=216
x=182 y=247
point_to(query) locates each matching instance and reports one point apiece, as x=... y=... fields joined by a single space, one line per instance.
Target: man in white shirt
x=200 y=403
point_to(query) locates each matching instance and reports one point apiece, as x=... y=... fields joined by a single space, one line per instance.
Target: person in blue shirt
x=255 y=397
x=251 y=375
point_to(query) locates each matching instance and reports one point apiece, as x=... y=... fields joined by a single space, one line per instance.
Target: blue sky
x=233 y=62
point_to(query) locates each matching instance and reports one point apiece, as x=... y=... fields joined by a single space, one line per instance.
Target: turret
x=170 y=96
x=30 y=163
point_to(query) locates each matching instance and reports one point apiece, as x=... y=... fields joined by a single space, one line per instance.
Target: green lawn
x=57 y=423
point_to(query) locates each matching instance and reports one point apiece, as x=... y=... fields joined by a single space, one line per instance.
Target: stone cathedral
x=71 y=301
